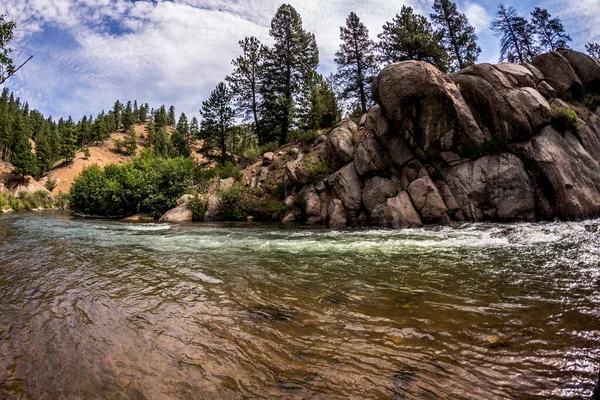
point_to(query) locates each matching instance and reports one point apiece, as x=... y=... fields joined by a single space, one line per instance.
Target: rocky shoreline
x=499 y=142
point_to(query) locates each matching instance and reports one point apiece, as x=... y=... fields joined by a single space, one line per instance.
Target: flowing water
x=112 y=310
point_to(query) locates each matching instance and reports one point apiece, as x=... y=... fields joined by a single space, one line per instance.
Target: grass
x=564 y=119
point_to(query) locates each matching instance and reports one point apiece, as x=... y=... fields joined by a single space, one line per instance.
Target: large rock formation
x=490 y=142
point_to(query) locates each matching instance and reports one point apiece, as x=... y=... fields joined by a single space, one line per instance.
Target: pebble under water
x=111 y=310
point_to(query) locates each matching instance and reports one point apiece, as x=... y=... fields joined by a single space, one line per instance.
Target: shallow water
x=101 y=309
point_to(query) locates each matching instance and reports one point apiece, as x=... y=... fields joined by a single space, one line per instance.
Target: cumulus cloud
x=88 y=53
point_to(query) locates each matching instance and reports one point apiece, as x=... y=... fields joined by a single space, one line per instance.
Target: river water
x=112 y=310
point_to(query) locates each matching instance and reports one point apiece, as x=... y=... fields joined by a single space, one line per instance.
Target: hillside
x=65 y=173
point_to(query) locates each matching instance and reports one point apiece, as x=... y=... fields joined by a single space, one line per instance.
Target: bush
x=564 y=119
x=305 y=138
x=86 y=152
x=43 y=198
x=1 y=202
x=198 y=206
x=149 y=183
x=250 y=156
x=28 y=201
x=61 y=201
x=51 y=184
x=592 y=101
x=229 y=170
x=232 y=204
x=315 y=171
x=271 y=146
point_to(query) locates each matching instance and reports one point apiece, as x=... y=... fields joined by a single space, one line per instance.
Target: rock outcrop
x=181 y=213
x=490 y=142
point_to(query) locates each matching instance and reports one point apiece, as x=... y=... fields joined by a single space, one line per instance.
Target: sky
x=88 y=53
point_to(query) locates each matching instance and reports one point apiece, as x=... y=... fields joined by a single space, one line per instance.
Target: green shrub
x=316 y=171
x=28 y=200
x=51 y=184
x=229 y=170
x=15 y=204
x=592 y=101
x=271 y=146
x=564 y=119
x=1 y=202
x=250 y=156
x=233 y=206
x=305 y=138
x=149 y=183
x=43 y=198
x=86 y=152
x=61 y=201
x=198 y=206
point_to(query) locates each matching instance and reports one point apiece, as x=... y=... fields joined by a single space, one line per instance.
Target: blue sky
x=88 y=53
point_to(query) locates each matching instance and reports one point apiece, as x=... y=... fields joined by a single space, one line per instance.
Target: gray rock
x=402 y=213
x=337 y=214
x=213 y=209
x=347 y=186
x=368 y=155
x=339 y=148
x=427 y=200
x=268 y=158
x=310 y=201
x=376 y=192
x=560 y=75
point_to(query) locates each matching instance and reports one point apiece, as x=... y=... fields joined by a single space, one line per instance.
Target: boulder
x=181 y=213
x=427 y=200
x=560 y=75
x=347 y=187
x=310 y=201
x=402 y=213
x=268 y=158
x=141 y=217
x=568 y=174
x=368 y=155
x=500 y=107
x=339 y=148
x=376 y=192
x=377 y=122
x=425 y=107
x=213 y=209
x=585 y=67
x=492 y=187
x=337 y=214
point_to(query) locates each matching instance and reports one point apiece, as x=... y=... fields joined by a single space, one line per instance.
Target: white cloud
x=478 y=16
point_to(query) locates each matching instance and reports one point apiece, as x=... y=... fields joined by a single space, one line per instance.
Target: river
x=112 y=310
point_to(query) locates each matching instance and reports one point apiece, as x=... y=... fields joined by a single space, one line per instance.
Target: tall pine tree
x=218 y=117
x=516 y=35
x=289 y=66
x=171 y=116
x=356 y=62
x=458 y=34
x=410 y=36
x=550 y=31
x=246 y=81
x=593 y=49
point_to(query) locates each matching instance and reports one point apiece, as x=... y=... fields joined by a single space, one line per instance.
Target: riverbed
x=103 y=309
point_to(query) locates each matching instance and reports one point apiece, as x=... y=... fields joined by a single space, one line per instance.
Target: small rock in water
x=496 y=341
x=393 y=339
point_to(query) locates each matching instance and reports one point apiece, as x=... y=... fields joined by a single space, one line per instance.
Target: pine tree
x=130 y=141
x=516 y=36
x=136 y=112
x=23 y=160
x=183 y=127
x=550 y=31
x=218 y=116
x=410 y=36
x=289 y=65
x=127 y=117
x=321 y=109
x=246 y=81
x=116 y=116
x=43 y=153
x=194 y=129
x=458 y=34
x=171 y=116
x=68 y=132
x=356 y=62
x=593 y=49
x=161 y=118
x=160 y=142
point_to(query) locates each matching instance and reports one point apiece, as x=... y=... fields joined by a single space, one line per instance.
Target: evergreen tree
x=43 y=153
x=183 y=127
x=550 y=31
x=194 y=129
x=180 y=138
x=130 y=141
x=410 y=36
x=458 y=34
x=23 y=160
x=116 y=116
x=161 y=118
x=68 y=132
x=136 y=112
x=322 y=110
x=288 y=67
x=246 y=81
x=516 y=36
x=127 y=117
x=356 y=62
x=593 y=49
x=218 y=116
x=160 y=142
x=171 y=116
x=100 y=130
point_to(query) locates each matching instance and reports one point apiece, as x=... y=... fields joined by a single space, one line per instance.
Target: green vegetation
x=564 y=119
x=497 y=144
x=315 y=171
x=233 y=207
x=150 y=183
x=25 y=201
x=592 y=101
